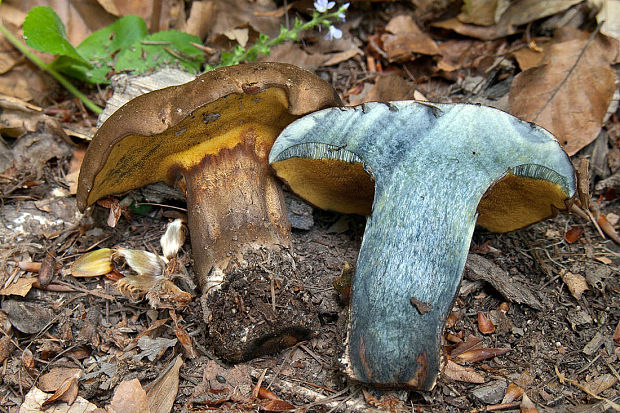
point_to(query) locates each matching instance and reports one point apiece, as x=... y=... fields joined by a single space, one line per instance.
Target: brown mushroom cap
x=148 y=137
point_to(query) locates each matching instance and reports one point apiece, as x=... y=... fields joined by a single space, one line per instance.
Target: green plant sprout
x=320 y=17
x=126 y=46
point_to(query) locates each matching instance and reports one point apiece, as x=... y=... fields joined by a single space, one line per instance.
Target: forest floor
x=551 y=290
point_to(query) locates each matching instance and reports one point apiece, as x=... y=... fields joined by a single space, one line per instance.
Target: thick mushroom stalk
x=438 y=170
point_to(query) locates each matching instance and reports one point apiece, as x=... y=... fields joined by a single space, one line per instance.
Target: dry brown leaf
x=200 y=19
x=277 y=406
x=265 y=394
x=573 y=234
x=453 y=54
x=240 y=35
x=19 y=77
x=610 y=14
x=293 y=53
x=475 y=355
x=617 y=333
x=529 y=57
x=569 y=93
x=11 y=15
x=600 y=383
x=512 y=20
x=232 y=14
x=130 y=397
x=28 y=359
x=404 y=40
x=18 y=117
x=576 y=283
x=608 y=228
x=386 y=88
x=483 y=12
x=479 y=32
x=456 y=372
x=185 y=340
x=170 y=12
x=220 y=385
x=278 y=13
x=71 y=177
x=51 y=381
x=513 y=392
x=485 y=326
x=471 y=343
x=162 y=392
x=337 y=58
x=19 y=287
x=67 y=392
x=35 y=398
x=527 y=406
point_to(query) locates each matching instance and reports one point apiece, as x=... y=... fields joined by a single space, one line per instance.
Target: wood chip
x=480 y=268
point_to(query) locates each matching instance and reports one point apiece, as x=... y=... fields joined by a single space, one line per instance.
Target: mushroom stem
x=234 y=203
x=412 y=256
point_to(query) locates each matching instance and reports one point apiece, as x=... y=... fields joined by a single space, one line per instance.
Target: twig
x=87 y=291
x=587 y=215
x=614 y=371
x=496 y=407
x=258 y=384
x=563 y=379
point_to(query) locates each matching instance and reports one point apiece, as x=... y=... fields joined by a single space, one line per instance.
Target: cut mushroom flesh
x=436 y=171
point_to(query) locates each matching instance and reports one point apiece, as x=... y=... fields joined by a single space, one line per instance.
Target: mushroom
x=212 y=137
x=430 y=173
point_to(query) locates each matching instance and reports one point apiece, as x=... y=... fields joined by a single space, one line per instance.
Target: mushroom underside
x=428 y=186
x=512 y=202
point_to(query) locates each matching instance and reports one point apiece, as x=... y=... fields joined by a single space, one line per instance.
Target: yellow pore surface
x=515 y=202
x=139 y=160
x=512 y=203
x=329 y=184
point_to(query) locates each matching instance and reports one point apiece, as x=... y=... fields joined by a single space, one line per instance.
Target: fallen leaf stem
x=44 y=66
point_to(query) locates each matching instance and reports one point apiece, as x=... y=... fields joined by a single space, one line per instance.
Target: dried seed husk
x=93 y=263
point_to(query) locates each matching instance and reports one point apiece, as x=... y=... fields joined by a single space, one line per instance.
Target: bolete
x=212 y=136
x=426 y=174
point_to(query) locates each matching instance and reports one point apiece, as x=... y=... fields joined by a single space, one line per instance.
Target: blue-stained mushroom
x=426 y=174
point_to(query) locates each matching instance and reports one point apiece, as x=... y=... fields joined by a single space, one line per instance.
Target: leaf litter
x=547 y=62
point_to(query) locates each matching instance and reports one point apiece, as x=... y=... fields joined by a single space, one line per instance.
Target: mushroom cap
x=139 y=143
x=334 y=168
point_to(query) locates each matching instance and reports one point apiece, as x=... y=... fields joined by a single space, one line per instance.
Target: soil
x=100 y=334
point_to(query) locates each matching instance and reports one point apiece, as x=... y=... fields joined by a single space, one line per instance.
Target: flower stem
x=285 y=34
x=60 y=78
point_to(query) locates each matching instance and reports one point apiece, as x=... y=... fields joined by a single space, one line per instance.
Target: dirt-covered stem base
x=233 y=203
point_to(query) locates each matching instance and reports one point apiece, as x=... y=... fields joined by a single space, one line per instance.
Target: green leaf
x=100 y=47
x=168 y=48
x=44 y=31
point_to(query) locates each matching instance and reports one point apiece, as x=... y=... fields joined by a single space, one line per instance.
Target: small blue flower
x=323 y=5
x=333 y=33
x=342 y=9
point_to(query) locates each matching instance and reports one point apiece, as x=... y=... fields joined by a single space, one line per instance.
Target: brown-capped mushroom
x=211 y=136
